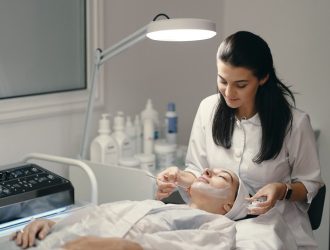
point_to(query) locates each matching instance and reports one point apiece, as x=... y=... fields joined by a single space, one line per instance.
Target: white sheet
x=158 y=226
x=268 y=231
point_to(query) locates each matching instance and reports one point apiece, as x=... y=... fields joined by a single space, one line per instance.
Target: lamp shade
x=181 y=29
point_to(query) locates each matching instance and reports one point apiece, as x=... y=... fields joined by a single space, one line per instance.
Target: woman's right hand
x=39 y=228
x=166 y=182
x=170 y=178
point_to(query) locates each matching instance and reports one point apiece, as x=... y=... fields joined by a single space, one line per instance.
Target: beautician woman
x=253 y=128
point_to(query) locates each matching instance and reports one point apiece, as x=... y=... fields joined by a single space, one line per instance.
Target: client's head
x=219 y=191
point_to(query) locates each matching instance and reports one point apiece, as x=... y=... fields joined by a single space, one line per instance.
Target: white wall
x=58 y=135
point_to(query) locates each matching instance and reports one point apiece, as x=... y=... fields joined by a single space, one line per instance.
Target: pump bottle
x=104 y=149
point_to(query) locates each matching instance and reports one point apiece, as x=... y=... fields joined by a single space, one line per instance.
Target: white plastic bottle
x=139 y=134
x=131 y=133
x=148 y=136
x=124 y=144
x=171 y=124
x=104 y=149
x=151 y=113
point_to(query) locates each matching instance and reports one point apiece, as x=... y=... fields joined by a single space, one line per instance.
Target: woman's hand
x=272 y=192
x=170 y=178
x=97 y=243
x=36 y=229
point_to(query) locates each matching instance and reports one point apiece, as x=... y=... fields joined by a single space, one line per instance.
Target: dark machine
x=27 y=189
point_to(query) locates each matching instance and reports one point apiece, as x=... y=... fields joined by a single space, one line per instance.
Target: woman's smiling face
x=238 y=86
x=214 y=189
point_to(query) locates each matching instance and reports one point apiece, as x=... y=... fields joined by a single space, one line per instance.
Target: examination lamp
x=173 y=30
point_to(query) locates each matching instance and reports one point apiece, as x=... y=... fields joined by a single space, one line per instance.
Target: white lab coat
x=151 y=223
x=297 y=161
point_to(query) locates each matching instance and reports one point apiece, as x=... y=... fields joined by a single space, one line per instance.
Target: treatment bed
x=112 y=184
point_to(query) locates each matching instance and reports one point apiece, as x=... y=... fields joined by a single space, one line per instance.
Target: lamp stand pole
x=100 y=58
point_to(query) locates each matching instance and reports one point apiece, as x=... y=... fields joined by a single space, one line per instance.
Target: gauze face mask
x=220 y=193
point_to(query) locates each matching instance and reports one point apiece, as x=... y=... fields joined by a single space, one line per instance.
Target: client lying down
x=150 y=224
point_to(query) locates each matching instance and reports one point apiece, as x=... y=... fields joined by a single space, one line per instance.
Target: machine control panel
x=25 y=179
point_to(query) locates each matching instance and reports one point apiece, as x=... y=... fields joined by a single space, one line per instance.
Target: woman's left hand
x=98 y=243
x=271 y=192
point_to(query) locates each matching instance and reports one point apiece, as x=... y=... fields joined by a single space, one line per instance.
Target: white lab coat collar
x=254 y=120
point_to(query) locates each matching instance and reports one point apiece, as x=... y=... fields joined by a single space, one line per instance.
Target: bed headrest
x=239 y=209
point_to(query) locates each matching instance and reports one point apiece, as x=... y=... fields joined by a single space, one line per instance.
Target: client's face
x=215 y=190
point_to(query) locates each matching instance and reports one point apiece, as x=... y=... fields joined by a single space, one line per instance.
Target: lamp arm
x=100 y=58
x=124 y=44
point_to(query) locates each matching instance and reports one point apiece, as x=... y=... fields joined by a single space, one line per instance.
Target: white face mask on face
x=219 y=193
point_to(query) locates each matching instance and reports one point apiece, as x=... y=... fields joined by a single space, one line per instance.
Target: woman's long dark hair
x=245 y=49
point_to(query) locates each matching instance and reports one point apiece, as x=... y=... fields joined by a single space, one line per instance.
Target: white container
x=139 y=135
x=147 y=162
x=165 y=154
x=131 y=162
x=104 y=148
x=171 y=124
x=131 y=133
x=148 y=136
x=150 y=113
x=124 y=144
